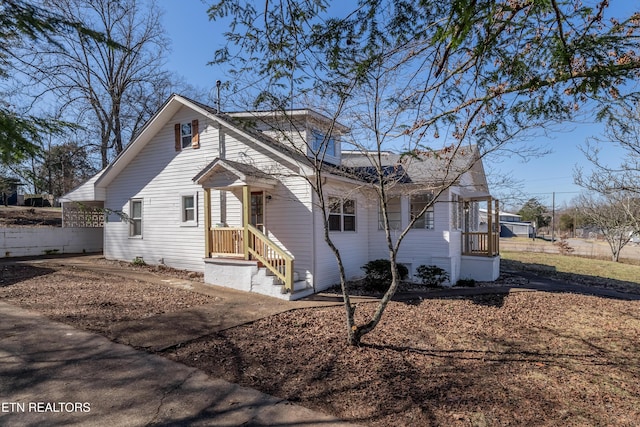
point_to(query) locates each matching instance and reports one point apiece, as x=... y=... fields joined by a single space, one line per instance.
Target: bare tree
x=477 y=75
x=614 y=216
x=111 y=92
x=24 y=24
x=623 y=131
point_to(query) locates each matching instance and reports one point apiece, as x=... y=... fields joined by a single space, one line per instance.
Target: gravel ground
x=524 y=358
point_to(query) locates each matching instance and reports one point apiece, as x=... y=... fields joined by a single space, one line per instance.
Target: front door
x=256 y=216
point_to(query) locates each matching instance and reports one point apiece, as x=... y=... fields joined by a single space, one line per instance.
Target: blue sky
x=194 y=40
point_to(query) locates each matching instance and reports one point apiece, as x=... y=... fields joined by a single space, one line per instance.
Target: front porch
x=243 y=257
x=482 y=239
x=480 y=258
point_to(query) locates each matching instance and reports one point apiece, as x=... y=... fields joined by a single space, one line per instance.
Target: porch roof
x=473 y=195
x=222 y=173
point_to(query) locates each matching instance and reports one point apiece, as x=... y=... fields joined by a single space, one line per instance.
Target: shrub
x=563 y=246
x=378 y=274
x=432 y=276
x=467 y=283
x=138 y=261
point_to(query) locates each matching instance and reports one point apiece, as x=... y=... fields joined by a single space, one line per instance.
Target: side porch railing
x=480 y=243
x=253 y=244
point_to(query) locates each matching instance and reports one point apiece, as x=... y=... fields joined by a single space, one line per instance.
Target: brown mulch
x=88 y=300
x=524 y=358
x=528 y=358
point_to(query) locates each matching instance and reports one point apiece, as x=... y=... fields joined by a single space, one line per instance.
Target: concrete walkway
x=52 y=375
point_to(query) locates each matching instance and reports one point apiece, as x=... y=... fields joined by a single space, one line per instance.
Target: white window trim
x=320 y=140
x=342 y=215
x=189 y=136
x=132 y=218
x=429 y=212
x=190 y=223
x=394 y=225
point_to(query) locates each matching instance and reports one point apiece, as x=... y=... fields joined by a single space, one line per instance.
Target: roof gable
x=164 y=115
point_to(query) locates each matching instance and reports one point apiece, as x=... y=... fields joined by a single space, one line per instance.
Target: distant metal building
x=511 y=225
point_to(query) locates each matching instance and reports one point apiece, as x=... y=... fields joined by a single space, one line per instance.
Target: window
x=342 y=214
x=189 y=209
x=418 y=203
x=394 y=214
x=457 y=214
x=185 y=134
x=135 y=218
x=320 y=141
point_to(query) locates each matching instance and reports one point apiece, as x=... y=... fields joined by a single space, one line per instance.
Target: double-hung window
x=185 y=134
x=189 y=209
x=342 y=214
x=393 y=213
x=135 y=218
x=418 y=203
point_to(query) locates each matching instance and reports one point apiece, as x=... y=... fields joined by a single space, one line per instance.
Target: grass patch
x=554 y=263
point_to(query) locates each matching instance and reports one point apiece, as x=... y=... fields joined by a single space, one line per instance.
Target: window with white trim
x=322 y=141
x=457 y=213
x=185 y=134
x=189 y=209
x=135 y=218
x=342 y=214
x=393 y=213
x=418 y=203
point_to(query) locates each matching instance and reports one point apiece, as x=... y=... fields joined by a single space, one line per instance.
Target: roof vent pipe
x=218 y=83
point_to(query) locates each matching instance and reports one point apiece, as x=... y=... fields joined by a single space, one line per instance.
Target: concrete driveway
x=53 y=375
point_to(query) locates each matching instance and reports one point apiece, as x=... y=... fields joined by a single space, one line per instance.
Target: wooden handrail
x=480 y=243
x=227 y=241
x=271 y=255
x=230 y=241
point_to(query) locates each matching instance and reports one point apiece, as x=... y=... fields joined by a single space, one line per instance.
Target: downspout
x=222 y=153
x=313 y=242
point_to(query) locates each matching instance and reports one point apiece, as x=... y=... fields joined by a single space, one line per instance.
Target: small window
x=322 y=141
x=188 y=209
x=394 y=214
x=185 y=134
x=457 y=213
x=418 y=203
x=342 y=214
x=135 y=218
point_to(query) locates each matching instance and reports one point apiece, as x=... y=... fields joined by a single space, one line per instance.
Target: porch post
x=497 y=248
x=207 y=222
x=489 y=227
x=246 y=205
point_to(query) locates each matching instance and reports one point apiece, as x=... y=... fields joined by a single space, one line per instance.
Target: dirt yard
x=13 y=216
x=526 y=358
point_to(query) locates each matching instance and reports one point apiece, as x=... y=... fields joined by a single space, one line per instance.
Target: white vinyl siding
x=160 y=175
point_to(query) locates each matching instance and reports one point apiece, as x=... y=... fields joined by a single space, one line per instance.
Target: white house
x=226 y=194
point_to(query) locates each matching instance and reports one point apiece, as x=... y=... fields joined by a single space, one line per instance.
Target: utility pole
x=553 y=218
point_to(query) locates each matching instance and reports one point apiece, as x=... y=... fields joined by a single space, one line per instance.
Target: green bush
x=432 y=276
x=138 y=261
x=378 y=274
